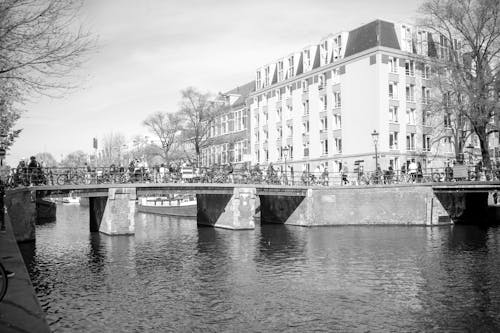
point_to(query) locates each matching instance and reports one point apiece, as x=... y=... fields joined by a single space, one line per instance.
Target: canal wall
x=20 y=310
x=375 y=205
x=21 y=209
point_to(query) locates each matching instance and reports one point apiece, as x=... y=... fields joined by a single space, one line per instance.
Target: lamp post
x=285 y=150
x=375 y=141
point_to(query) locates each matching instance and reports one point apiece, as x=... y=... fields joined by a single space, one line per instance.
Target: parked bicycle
x=4 y=280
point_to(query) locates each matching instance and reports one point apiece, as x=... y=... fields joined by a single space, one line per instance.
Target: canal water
x=175 y=276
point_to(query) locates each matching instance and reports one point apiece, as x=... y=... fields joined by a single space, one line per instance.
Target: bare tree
x=47 y=159
x=447 y=113
x=469 y=51
x=165 y=127
x=41 y=43
x=75 y=159
x=112 y=148
x=199 y=111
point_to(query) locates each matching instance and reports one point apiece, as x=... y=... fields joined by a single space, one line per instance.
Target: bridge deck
x=162 y=189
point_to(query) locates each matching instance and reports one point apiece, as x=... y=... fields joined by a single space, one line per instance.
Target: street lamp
x=375 y=141
x=285 y=150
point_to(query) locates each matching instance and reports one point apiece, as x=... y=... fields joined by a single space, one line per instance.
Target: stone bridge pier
x=230 y=211
x=114 y=214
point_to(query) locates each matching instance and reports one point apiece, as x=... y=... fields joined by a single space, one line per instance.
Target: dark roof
x=376 y=33
x=244 y=91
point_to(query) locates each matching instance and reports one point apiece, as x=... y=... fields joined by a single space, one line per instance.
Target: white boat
x=71 y=200
x=177 y=205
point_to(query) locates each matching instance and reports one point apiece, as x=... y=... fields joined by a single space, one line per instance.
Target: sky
x=149 y=50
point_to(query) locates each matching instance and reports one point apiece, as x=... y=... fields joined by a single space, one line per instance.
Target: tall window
x=337 y=118
x=410 y=141
x=426 y=142
x=410 y=68
x=410 y=116
x=306 y=126
x=426 y=72
x=321 y=82
x=324 y=49
x=266 y=76
x=425 y=117
x=324 y=102
x=426 y=95
x=335 y=76
x=393 y=140
x=291 y=67
x=393 y=64
x=393 y=114
x=306 y=107
x=324 y=124
x=324 y=147
x=410 y=92
x=305 y=86
x=393 y=90
x=280 y=71
x=338 y=145
x=337 y=47
x=307 y=58
x=447 y=120
x=337 y=99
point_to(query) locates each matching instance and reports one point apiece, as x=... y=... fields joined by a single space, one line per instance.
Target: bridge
x=233 y=206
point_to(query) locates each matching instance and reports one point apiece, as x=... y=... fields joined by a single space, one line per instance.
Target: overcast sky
x=151 y=49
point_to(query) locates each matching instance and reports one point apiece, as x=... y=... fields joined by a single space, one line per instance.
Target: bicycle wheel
x=62 y=180
x=4 y=282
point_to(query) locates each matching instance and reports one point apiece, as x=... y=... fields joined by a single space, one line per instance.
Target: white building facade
x=318 y=107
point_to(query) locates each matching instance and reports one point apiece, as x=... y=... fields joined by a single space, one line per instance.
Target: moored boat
x=177 y=205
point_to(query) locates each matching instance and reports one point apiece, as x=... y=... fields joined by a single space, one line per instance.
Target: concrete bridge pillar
x=119 y=211
x=230 y=211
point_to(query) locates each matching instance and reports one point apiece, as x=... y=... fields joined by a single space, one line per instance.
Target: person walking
x=345 y=173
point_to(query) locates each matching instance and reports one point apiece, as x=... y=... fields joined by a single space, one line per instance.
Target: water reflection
x=175 y=276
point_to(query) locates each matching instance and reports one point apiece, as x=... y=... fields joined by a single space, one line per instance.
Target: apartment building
x=229 y=133
x=318 y=107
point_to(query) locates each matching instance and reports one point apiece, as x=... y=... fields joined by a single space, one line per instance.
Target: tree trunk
x=485 y=151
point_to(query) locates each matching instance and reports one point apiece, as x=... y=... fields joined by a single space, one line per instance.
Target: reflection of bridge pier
x=230 y=206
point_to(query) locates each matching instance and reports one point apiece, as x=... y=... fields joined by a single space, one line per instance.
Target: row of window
x=393 y=64
x=328 y=50
x=410 y=141
x=410 y=116
x=224 y=153
x=229 y=123
x=409 y=93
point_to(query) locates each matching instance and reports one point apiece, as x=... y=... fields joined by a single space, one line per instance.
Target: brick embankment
x=20 y=310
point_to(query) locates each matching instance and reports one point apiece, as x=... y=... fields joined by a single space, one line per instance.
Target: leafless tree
x=165 y=126
x=446 y=112
x=41 y=43
x=471 y=36
x=76 y=159
x=199 y=111
x=112 y=148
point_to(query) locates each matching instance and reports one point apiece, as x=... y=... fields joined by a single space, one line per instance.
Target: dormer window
x=291 y=67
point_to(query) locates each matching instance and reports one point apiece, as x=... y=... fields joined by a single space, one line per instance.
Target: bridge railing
x=107 y=175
